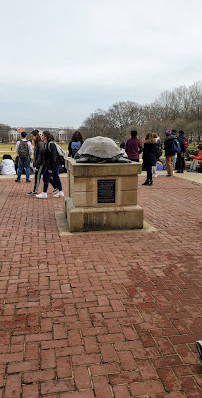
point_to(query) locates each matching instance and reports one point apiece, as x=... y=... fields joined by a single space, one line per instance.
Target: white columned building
x=14 y=135
x=62 y=135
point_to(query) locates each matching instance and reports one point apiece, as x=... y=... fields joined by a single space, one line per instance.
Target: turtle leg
x=93 y=159
x=123 y=160
x=113 y=160
x=82 y=159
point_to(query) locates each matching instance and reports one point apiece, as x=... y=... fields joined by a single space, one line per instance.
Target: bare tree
x=99 y=123
x=4 y=129
x=179 y=108
x=124 y=114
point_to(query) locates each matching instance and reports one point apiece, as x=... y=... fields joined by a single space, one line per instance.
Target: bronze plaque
x=106 y=191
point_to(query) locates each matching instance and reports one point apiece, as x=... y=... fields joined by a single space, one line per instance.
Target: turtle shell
x=101 y=147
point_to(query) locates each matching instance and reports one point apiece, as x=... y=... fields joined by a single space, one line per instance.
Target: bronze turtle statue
x=100 y=150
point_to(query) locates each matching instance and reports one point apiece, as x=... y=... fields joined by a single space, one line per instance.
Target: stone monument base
x=99 y=219
x=102 y=197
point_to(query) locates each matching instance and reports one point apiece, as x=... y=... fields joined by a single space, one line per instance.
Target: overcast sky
x=63 y=59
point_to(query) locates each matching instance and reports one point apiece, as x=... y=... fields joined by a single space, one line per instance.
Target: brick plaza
x=105 y=315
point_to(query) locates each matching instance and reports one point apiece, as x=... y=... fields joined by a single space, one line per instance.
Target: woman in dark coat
x=51 y=167
x=150 y=154
x=38 y=163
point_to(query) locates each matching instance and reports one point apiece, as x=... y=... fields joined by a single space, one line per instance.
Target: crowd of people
x=46 y=159
x=175 y=146
x=46 y=162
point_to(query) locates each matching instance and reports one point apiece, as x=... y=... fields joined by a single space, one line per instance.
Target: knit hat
x=168 y=132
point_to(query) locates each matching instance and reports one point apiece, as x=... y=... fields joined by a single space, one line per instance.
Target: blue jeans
x=21 y=165
x=55 y=178
x=174 y=160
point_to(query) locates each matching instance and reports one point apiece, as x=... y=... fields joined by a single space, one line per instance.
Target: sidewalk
x=194 y=177
x=102 y=315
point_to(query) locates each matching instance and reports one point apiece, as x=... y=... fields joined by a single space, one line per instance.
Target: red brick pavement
x=100 y=315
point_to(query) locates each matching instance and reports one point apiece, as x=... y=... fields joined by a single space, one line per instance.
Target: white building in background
x=62 y=135
x=14 y=135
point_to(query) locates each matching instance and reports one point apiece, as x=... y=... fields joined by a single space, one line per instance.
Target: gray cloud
x=62 y=59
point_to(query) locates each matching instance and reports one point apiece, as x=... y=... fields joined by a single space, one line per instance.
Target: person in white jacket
x=7 y=166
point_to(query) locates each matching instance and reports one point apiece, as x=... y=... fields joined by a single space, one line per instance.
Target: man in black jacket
x=181 y=155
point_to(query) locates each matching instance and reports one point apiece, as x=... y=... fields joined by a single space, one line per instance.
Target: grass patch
x=5 y=149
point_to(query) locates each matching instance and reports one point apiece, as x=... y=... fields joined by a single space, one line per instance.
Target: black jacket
x=39 y=154
x=150 y=152
x=168 y=145
x=51 y=156
x=159 y=148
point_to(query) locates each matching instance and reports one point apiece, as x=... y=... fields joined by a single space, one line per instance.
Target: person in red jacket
x=196 y=159
x=134 y=147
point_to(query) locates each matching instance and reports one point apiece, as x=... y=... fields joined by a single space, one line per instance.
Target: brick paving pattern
x=101 y=315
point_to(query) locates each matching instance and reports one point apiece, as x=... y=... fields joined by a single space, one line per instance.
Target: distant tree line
x=178 y=109
x=4 y=129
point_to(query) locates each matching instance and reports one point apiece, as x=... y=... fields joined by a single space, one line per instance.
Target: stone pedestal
x=102 y=196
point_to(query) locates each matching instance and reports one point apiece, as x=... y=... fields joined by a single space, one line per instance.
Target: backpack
x=75 y=146
x=60 y=153
x=159 y=150
x=176 y=146
x=23 y=150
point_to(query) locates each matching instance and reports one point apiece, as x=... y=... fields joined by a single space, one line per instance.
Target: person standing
x=38 y=163
x=169 y=153
x=51 y=167
x=24 y=151
x=181 y=155
x=159 y=153
x=174 y=132
x=150 y=154
x=134 y=147
x=75 y=143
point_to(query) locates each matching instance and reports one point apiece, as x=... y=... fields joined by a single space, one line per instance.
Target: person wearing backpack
x=38 y=163
x=75 y=143
x=24 y=151
x=170 y=151
x=181 y=155
x=51 y=167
